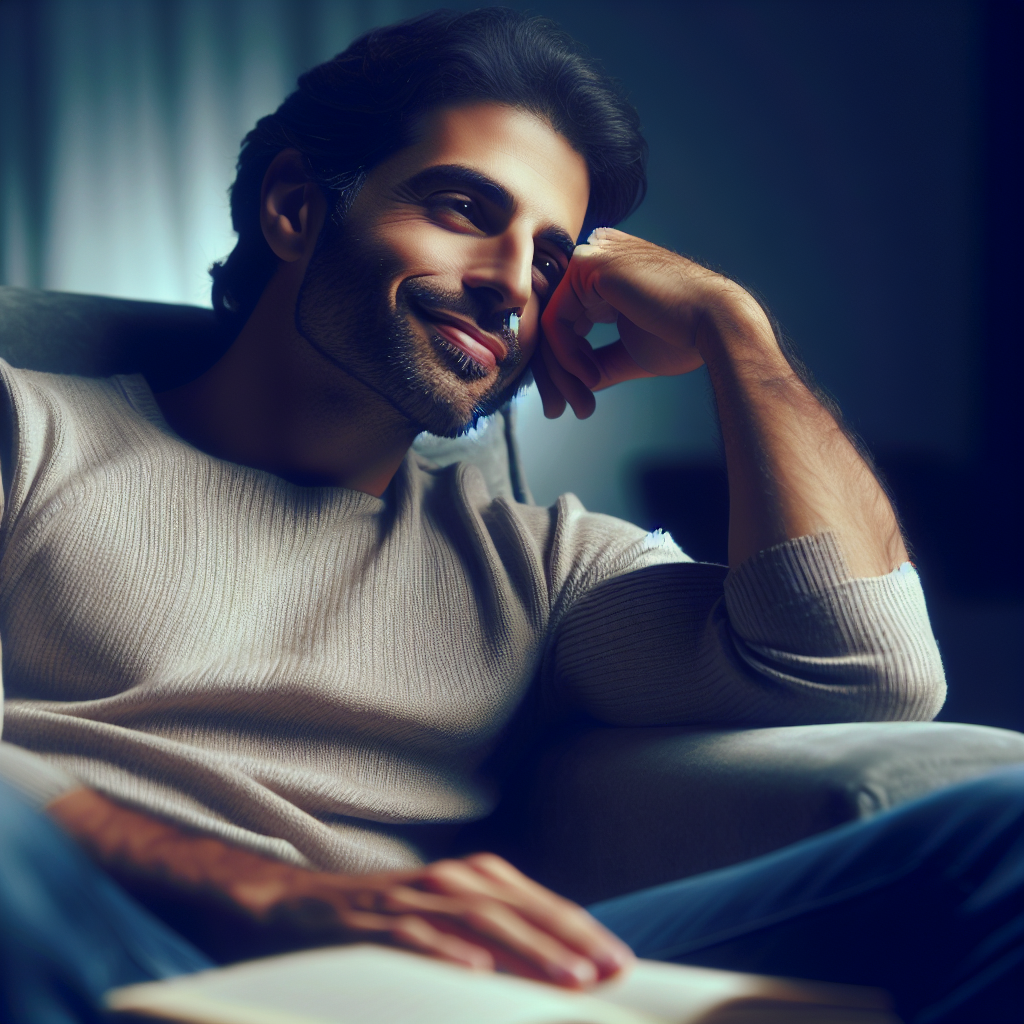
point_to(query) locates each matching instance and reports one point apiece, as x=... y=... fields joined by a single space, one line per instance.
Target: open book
x=367 y=984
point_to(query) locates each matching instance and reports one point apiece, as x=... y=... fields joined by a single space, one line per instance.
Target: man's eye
x=549 y=271
x=446 y=204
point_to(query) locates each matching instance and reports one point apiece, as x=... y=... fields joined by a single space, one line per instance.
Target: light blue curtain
x=120 y=123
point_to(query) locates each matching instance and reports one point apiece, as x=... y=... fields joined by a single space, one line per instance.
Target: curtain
x=120 y=123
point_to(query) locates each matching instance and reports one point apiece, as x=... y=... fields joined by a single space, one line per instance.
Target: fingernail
x=611 y=963
x=582 y=972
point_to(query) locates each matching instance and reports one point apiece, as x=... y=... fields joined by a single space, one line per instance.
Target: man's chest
x=186 y=588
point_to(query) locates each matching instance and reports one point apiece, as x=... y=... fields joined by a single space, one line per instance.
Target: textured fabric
x=794 y=641
x=926 y=901
x=319 y=674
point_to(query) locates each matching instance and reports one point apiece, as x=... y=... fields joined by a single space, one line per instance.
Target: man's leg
x=926 y=901
x=67 y=932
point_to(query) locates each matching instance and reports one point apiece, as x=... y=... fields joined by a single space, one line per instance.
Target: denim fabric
x=926 y=901
x=67 y=932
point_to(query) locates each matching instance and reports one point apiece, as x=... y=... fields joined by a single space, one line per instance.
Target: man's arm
x=478 y=911
x=792 y=470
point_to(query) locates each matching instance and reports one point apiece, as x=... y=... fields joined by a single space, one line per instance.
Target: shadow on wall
x=963 y=516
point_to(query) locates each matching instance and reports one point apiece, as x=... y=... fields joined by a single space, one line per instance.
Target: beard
x=344 y=311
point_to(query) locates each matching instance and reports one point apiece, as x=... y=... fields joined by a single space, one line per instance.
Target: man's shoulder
x=52 y=421
x=572 y=548
x=43 y=393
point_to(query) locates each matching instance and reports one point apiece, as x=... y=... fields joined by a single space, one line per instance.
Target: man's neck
x=274 y=403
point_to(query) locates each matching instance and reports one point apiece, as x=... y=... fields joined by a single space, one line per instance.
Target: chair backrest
x=94 y=336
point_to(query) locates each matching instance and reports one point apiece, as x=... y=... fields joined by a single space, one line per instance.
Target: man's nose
x=504 y=264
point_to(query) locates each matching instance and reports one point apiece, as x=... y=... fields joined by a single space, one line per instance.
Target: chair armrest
x=615 y=810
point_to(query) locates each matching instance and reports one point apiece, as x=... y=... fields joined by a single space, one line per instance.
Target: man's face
x=412 y=294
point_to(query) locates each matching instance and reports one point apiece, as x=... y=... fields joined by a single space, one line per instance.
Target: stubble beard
x=344 y=311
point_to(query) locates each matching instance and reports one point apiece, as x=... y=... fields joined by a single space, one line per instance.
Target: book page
x=362 y=984
x=679 y=993
x=369 y=984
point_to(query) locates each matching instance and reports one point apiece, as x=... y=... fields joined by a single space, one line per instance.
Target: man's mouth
x=482 y=347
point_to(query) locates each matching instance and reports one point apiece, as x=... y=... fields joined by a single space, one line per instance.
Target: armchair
x=604 y=810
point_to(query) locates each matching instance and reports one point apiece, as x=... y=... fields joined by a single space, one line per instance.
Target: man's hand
x=478 y=911
x=792 y=469
x=665 y=307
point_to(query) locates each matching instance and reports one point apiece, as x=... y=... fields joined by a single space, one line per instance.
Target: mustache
x=432 y=299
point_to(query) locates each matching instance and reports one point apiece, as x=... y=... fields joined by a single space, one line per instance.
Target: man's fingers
x=489 y=875
x=572 y=351
x=551 y=398
x=572 y=389
x=561 y=917
x=414 y=931
x=616 y=365
x=417 y=933
x=502 y=926
x=479 y=911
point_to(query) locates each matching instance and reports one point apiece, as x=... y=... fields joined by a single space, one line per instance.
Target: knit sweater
x=319 y=675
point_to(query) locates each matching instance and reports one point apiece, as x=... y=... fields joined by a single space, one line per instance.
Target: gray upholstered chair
x=605 y=810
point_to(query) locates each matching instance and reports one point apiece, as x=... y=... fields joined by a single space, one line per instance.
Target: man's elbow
x=910 y=687
x=901 y=686
x=900 y=683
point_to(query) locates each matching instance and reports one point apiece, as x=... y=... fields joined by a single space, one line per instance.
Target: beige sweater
x=318 y=674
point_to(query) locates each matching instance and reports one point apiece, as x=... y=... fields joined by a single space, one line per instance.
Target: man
x=256 y=653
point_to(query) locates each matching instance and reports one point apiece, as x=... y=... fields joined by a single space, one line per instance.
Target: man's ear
x=292 y=208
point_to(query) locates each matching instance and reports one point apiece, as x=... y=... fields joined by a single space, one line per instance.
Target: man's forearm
x=792 y=470
x=231 y=903
x=477 y=910
x=134 y=845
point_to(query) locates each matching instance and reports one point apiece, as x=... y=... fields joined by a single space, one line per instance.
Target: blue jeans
x=926 y=901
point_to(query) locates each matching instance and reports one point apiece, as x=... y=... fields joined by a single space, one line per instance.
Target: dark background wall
x=857 y=163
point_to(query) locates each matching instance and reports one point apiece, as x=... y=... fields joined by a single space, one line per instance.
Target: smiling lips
x=485 y=349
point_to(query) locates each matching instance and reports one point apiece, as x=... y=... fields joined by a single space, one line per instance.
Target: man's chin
x=450 y=393
x=447 y=415
x=449 y=408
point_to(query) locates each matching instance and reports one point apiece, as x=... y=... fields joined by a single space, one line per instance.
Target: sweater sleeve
x=37 y=780
x=788 y=638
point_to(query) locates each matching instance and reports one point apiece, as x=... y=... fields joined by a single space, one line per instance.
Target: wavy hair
x=356 y=110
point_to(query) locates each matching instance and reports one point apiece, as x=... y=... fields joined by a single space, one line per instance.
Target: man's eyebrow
x=456 y=174
x=561 y=239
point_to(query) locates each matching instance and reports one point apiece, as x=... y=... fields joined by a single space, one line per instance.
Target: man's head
x=458 y=155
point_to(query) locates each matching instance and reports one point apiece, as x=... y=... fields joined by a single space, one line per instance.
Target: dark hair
x=357 y=109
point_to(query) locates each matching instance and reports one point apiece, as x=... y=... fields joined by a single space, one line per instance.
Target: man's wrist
x=735 y=330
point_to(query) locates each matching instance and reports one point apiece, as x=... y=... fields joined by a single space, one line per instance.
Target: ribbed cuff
x=800 y=596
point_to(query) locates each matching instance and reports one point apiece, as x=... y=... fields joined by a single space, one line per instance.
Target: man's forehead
x=514 y=154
